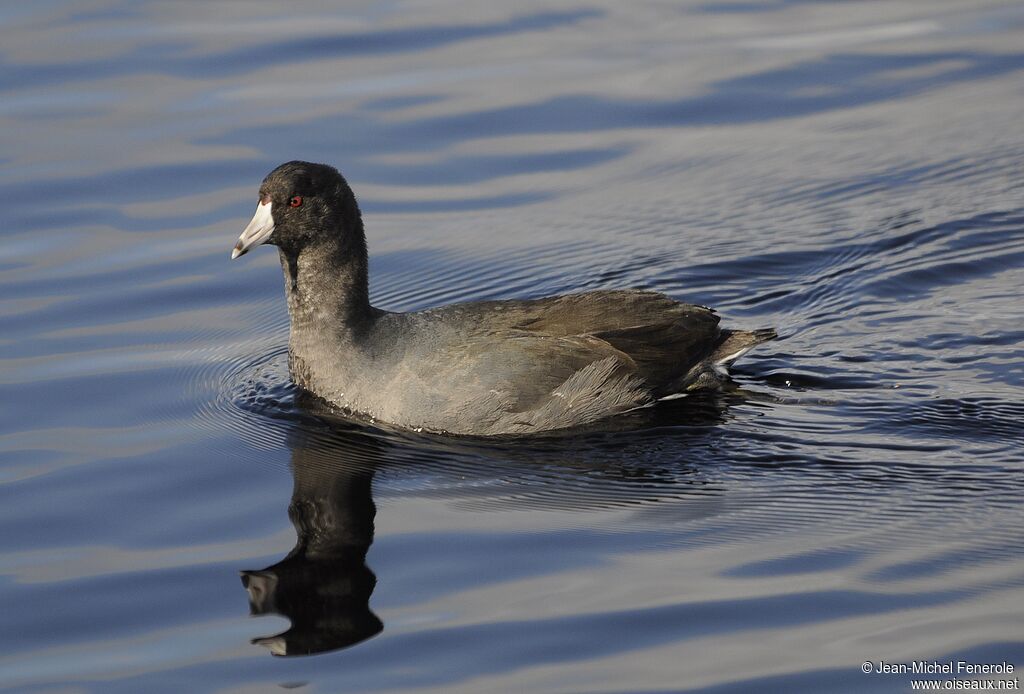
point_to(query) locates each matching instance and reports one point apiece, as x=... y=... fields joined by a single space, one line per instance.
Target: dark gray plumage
x=481 y=368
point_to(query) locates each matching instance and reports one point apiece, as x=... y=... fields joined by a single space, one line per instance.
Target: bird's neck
x=328 y=293
x=332 y=508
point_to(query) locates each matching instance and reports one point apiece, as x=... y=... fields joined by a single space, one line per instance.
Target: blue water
x=174 y=512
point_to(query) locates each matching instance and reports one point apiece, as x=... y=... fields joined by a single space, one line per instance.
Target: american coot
x=480 y=368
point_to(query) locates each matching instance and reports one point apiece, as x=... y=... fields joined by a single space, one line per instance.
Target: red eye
x=295 y=201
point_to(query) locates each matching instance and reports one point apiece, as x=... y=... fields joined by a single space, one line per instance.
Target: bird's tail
x=712 y=372
x=735 y=343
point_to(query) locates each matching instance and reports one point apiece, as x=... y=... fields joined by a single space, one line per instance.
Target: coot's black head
x=301 y=205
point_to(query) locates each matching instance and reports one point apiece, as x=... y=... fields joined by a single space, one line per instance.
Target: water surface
x=847 y=172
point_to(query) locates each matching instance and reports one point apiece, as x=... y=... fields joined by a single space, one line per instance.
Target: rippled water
x=848 y=172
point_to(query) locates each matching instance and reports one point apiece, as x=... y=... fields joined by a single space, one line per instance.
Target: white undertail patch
x=722 y=365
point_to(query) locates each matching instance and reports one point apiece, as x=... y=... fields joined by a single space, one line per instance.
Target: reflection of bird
x=323 y=586
x=492 y=367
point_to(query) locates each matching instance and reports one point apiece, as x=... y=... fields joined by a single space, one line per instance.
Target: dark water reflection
x=323 y=585
x=847 y=172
